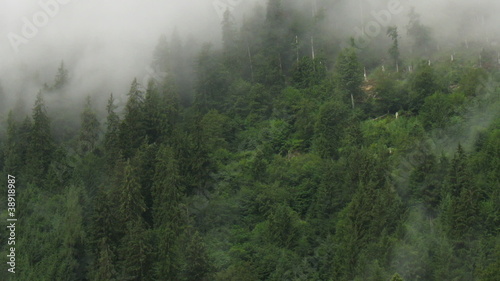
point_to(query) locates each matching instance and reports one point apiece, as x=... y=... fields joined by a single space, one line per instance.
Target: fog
x=105 y=44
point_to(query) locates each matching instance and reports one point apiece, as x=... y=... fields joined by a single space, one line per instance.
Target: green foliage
x=348 y=75
x=439 y=108
x=41 y=146
x=330 y=128
x=280 y=169
x=111 y=141
x=471 y=83
x=198 y=266
x=89 y=131
x=421 y=85
x=420 y=34
x=132 y=128
x=392 y=32
x=396 y=277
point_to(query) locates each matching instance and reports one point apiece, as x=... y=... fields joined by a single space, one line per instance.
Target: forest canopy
x=275 y=154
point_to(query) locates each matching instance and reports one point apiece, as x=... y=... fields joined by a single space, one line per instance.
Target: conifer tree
x=397 y=277
x=105 y=269
x=41 y=147
x=15 y=145
x=329 y=128
x=112 y=136
x=131 y=201
x=348 y=75
x=167 y=216
x=392 y=32
x=198 y=265
x=132 y=129
x=61 y=78
x=89 y=131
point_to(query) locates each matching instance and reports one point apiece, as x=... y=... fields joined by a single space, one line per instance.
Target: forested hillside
x=276 y=155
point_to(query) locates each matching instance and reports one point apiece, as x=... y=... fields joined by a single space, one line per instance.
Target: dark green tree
x=422 y=84
x=167 y=214
x=397 y=277
x=198 y=265
x=420 y=34
x=61 y=77
x=330 y=128
x=111 y=141
x=89 y=131
x=131 y=201
x=392 y=32
x=348 y=76
x=41 y=146
x=105 y=269
x=132 y=127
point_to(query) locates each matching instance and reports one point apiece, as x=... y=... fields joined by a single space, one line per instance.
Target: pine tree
x=198 y=266
x=394 y=50
x=329 y=129
x=283 y=228
x=420 y=34
x=41 y=147
x=161 y=55
x=134 y=251
x=397 y=277
x=466 y=199
x=61 y=78
x=16 y=144
x=132 y=129
x=168 y=220
x=348 y=75
x=112 y=136
x=3 y=97
x=131 y=201
x=89 y=132
x=213 y=81
x=105 y=268
x=422 y=84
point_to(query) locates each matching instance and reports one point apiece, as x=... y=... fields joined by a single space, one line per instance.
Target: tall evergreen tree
x=112 y=136
x=167 y=215
x=348 y=75
x=41 y=147
x=61 y=78
x=89 y=131
x=132 y=128
x=131 y=201
x=392 y=32
x=198 y=265
x=330 y=128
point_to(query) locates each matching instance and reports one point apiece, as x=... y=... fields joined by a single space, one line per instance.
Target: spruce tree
x=348 y=76
x=89 y=131
x=198 y=265
x=132 y=127
x=41 y=147
x=112 y=150
x=131 y=201
x=167 y=215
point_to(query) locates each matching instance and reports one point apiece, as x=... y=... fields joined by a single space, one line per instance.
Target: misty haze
x=203 y=140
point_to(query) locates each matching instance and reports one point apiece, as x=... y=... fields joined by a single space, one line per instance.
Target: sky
x=104 y=43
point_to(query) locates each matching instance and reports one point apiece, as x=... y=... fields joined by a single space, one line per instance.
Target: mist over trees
x=282 y=150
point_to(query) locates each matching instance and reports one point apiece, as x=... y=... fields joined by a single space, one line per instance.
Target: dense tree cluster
x=278 y=161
